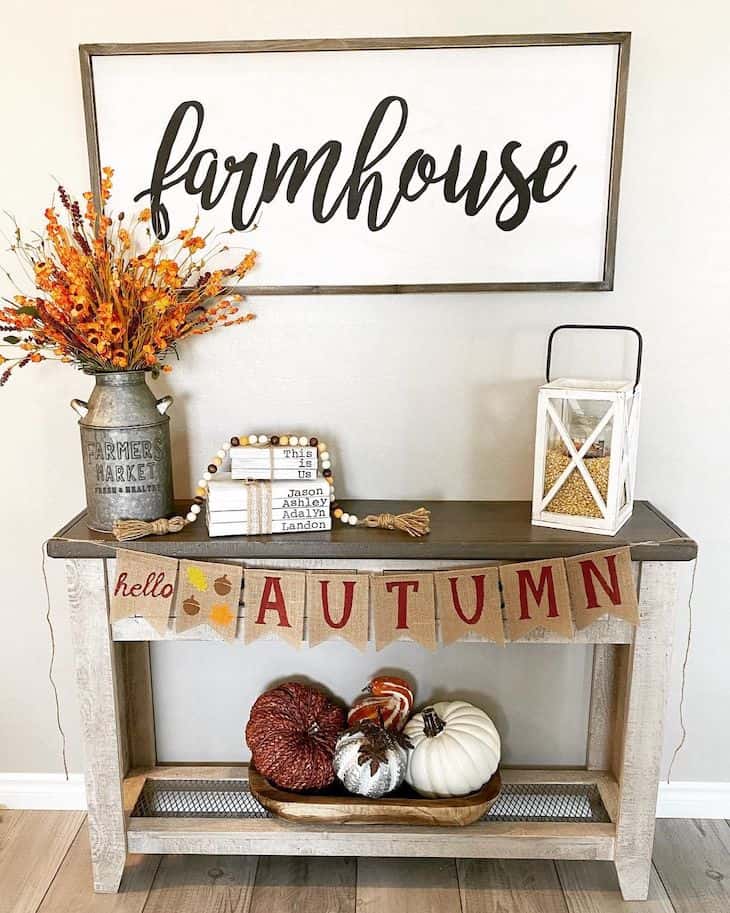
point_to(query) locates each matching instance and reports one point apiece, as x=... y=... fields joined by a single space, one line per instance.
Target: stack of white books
x=274 y=462
x=249 y=508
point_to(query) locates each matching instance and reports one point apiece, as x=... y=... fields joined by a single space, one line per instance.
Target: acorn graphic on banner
x=222 y=585
x=210 y=597
x=191 y=606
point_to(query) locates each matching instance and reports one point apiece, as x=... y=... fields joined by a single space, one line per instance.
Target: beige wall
x=468 y=416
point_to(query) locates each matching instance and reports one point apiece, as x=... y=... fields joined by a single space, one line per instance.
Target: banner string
x=682 y=726
x=112 y=546
x=53 y=658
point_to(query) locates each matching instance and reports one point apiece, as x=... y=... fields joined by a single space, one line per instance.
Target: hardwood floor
x=44 y=868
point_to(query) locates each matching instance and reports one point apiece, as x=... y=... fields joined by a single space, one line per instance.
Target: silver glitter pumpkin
x=369 y=764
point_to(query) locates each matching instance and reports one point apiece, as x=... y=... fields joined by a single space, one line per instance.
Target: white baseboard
x=693 y=800
x=46 y=791
x=53 y=791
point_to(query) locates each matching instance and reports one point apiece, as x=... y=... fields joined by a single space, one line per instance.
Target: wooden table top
x=460 y=530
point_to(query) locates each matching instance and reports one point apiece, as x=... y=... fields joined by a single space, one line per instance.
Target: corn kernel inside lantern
x=580 y=418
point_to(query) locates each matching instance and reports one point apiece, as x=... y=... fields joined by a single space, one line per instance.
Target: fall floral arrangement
x=103 y=301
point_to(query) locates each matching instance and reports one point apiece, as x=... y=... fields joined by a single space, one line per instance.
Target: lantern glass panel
x=623 y=497
x=580 y=418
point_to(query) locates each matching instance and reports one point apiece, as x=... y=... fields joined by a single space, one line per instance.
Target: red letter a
x=277 y=604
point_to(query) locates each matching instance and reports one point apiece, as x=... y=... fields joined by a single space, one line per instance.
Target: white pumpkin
x=370 y=761
x=456 y=749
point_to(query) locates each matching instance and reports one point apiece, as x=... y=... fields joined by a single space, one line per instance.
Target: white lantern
x=585 y=449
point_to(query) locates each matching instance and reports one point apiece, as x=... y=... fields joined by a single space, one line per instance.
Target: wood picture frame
x=600 y=275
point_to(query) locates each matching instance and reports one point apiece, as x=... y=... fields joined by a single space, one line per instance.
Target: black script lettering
x=546 y=163
x=356 y=189
x=535 y=180
x=206 y=187
x=177 y=161
x=245 y=168
x=521 y=191
x=300 y=170
x=163 y=170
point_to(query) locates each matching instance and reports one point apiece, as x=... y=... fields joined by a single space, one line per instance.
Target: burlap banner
x=338 y=606
x=144 y=587
x=492 y=603
x=602 y=583
x=274 y=605
x=208 y=594
x=536 y=595
x=404 y=607
x=468 y=604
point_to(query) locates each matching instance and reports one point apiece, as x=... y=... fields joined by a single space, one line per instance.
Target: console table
x=624 y=739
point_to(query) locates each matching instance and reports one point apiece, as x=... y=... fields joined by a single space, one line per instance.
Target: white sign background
x=479 y=97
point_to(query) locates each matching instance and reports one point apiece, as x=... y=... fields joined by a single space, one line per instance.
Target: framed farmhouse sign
x=375 y=165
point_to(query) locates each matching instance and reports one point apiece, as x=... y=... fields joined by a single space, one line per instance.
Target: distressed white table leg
x=605 y=720
x=638 y=772
x=87 y=596
x=602 y=711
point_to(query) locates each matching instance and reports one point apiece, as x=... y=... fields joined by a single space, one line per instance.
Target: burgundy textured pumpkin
x=292 y=733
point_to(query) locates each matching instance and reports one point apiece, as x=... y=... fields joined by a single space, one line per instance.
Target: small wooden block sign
x=277 y=462
x=144 y=587
x=276 y=452
x=208 y=593
x=263 y=474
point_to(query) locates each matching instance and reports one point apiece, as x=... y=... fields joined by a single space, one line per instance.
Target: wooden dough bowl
x=404 y=806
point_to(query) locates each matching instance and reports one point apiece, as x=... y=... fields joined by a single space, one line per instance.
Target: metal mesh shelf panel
x=549 y=802
x=197 y=799
x=232 y=799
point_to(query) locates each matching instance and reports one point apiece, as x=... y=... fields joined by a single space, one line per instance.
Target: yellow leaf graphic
x=197 y=578
x=220 y=614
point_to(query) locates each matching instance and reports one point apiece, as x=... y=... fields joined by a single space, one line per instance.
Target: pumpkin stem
x=432 y=723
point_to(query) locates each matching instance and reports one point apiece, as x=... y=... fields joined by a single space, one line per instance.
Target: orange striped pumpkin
x=385 y=700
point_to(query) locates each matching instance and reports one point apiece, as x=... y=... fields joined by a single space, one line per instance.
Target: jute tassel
x=415 y=523
x=126 y=530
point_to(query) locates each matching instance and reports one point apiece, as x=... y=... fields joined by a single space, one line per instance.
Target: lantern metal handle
x=596 y=326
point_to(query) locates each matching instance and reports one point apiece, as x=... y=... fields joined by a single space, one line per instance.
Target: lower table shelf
x=565 y=814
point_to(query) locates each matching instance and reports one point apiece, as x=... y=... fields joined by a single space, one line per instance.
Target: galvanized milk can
x=125 y=442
